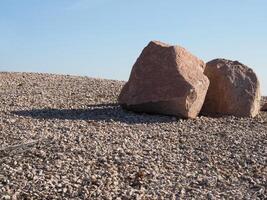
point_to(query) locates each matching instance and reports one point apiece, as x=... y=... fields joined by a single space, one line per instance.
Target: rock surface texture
x=234 y=89
x=264 y=107
x=166 y=80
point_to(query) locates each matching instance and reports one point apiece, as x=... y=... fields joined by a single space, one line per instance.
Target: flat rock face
x=234 y=89
x=264 y=107
x=166 y=80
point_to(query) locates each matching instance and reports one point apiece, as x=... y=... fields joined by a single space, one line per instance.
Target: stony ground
x=64 y=137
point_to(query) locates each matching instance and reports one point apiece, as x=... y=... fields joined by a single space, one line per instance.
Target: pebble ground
x=65 y=137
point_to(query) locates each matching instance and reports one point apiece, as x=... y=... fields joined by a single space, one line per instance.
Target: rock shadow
x=97 y=112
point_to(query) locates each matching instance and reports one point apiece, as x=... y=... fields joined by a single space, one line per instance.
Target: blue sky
x=103 y=38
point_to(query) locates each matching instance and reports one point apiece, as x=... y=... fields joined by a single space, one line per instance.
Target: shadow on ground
x=96 y=112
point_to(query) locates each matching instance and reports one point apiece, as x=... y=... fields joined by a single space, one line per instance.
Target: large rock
x=166 y=80
x=264 y=107
x=234 y=89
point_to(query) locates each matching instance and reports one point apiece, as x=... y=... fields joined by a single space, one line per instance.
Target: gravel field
x=65 y=137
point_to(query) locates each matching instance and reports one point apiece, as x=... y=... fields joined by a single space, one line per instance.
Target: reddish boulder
x=234 y=89
x=166 y=80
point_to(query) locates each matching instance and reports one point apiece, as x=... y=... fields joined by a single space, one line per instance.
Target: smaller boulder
x=234 y=89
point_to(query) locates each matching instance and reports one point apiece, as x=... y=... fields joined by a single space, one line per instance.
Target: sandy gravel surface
x=64 y=137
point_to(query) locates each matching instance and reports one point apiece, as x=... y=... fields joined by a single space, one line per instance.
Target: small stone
x=264 y=107
x=6 y=197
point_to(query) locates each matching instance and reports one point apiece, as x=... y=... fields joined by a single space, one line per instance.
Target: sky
x=103 y=38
